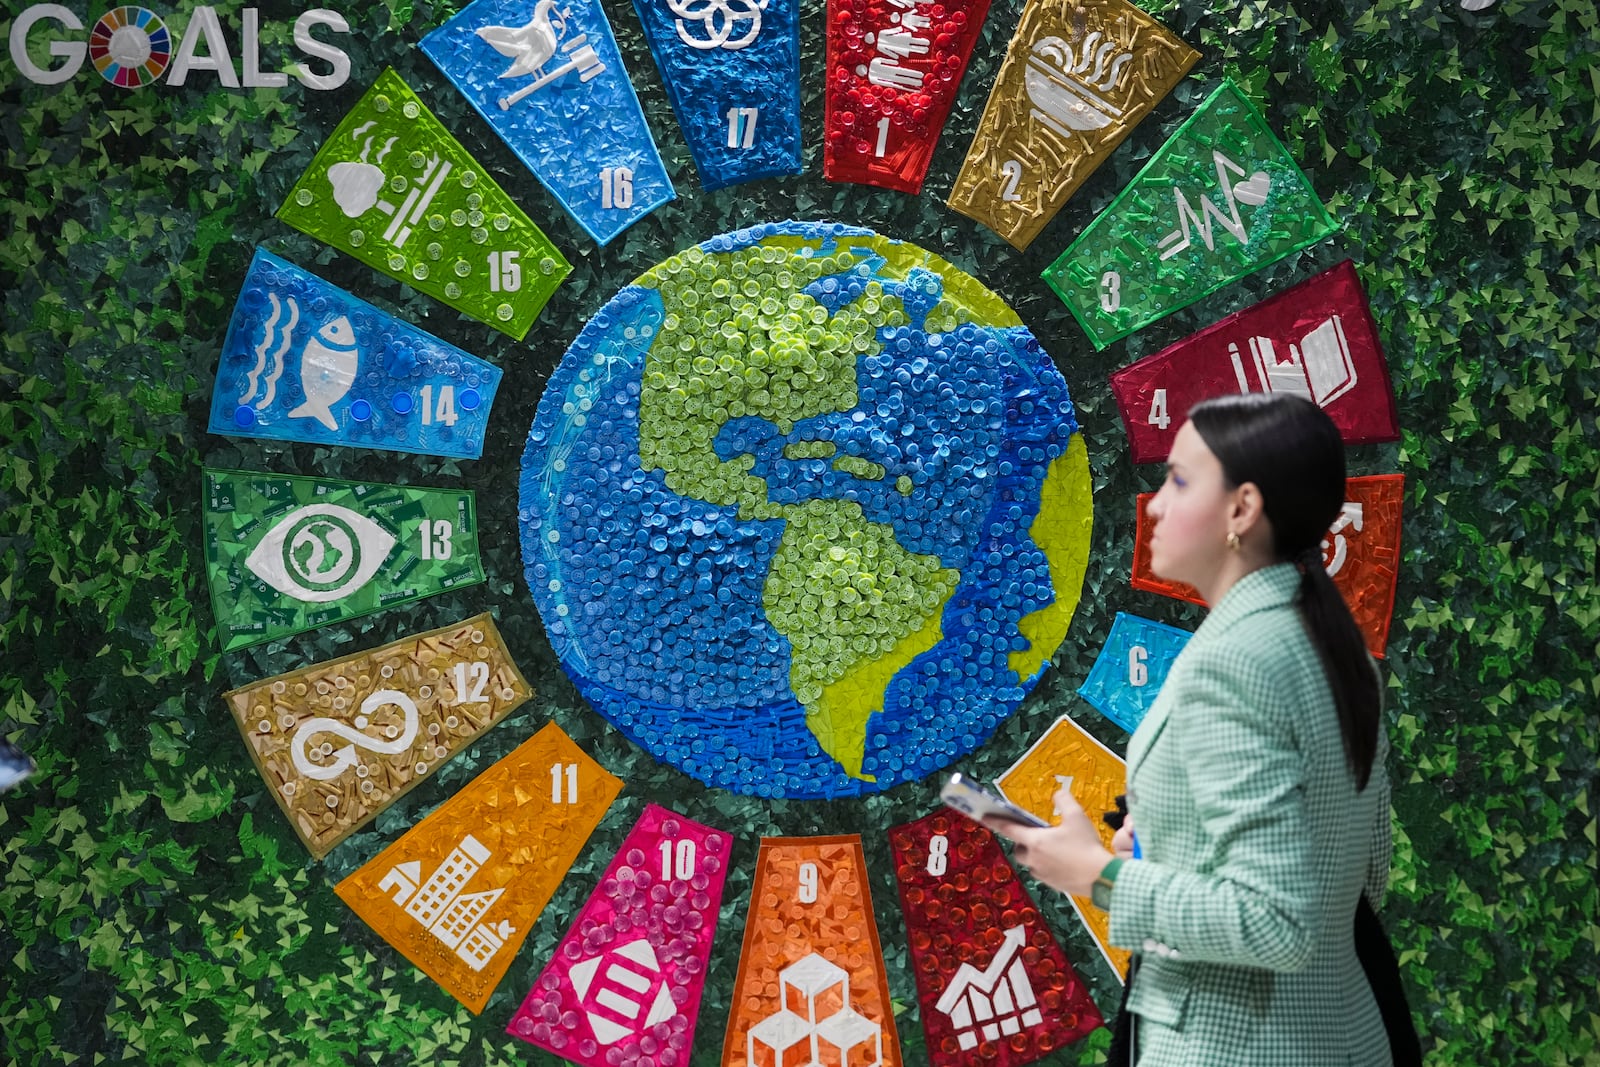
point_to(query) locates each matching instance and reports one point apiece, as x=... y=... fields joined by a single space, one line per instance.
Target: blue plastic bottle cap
x=469 y=400
x=361 y=411
x=244 y=416
x=401 y=402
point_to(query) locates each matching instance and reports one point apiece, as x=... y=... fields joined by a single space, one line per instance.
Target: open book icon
x=1319 y=368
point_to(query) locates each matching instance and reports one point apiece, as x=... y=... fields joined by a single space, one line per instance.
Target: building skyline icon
x=442 y=907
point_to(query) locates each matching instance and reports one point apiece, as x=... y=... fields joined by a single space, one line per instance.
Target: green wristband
x=1100 y=893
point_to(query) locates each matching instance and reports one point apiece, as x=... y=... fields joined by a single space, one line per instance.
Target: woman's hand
x=1068 y=856
x=1122 y=841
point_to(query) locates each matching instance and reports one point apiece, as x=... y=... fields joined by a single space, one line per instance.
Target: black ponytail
x=1292 y=451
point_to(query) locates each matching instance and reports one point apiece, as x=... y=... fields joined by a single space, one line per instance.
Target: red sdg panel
x=893 y=70
x=994 y=986
x=1361 y=552
x=1316 y=340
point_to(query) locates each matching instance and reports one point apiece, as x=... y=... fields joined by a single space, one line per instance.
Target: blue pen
x=1138 y=853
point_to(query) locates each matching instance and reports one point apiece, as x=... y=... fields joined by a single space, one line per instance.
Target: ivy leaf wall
x=153 y=905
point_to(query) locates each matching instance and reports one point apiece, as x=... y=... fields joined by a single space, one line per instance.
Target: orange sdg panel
x=1098 y=776
x=811 y=987
x=338 y=742
x=458 y=893
x=1361 y=553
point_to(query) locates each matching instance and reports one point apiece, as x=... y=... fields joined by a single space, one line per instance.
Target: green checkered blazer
x=1256 y=846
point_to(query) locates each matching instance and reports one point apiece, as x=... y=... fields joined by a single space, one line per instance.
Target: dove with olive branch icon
x=533 y=44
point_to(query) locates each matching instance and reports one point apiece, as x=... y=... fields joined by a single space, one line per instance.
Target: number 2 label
x=1011 y=171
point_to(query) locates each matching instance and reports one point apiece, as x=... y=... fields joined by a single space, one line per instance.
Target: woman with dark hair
x=1255 y=782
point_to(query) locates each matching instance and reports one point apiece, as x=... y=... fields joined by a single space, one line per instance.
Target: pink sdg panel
x=1316 y=340
x=625 y=983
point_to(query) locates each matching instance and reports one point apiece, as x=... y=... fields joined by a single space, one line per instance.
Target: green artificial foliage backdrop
x=156 y=908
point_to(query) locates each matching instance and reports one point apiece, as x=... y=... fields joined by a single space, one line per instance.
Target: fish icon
x=327 y=370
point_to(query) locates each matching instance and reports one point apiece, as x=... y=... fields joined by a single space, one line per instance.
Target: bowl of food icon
x=1066 y=85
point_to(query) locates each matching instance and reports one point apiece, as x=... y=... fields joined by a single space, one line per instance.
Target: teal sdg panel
x=1131 y=668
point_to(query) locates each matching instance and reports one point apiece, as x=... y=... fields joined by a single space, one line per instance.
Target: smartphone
x=976 y=802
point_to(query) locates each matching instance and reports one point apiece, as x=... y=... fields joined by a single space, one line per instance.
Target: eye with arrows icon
x=320 y=553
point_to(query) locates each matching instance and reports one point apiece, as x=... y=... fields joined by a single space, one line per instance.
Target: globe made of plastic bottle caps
x=805 y=511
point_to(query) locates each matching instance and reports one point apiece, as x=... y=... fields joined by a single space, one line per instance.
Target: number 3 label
x=1110 y=291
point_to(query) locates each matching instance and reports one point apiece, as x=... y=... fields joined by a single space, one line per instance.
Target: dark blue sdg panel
x=805 y=511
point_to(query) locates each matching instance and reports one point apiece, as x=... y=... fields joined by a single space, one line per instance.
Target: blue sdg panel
x=306 y=361
x=732 y=71
x=549 y=79
x=805 y=511
x=1131 y=668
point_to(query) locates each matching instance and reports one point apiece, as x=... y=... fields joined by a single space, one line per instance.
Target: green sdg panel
x=1220 y=199
x=288 y=554
x=391 y=187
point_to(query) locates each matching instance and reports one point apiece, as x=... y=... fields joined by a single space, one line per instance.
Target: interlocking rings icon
x=719 y=21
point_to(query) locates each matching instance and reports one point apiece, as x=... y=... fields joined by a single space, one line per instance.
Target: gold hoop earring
x=1233 y=541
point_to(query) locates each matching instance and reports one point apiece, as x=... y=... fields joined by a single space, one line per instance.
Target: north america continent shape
x=805 y=511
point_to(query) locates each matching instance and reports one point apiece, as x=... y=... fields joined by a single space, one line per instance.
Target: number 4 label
x=1159 y=418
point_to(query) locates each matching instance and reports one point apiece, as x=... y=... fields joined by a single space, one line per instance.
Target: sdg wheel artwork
x=805 y=511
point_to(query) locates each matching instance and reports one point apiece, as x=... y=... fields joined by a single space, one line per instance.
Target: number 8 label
x=938 y=855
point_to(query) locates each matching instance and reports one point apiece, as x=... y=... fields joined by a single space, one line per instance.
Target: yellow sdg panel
x=1098 y=775
x=338 y=742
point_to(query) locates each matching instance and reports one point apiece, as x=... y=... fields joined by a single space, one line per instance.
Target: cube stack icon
x=820 y=1029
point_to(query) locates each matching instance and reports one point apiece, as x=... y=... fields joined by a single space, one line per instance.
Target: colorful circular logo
x=805 y=511
x=130 y=47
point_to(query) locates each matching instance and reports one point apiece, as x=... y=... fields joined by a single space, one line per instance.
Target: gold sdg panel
x=338 y=742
